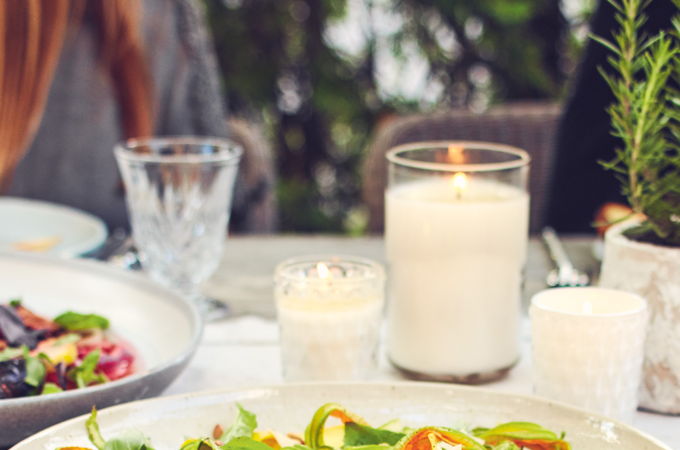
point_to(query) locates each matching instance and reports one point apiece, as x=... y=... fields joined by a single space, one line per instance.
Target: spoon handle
x=557 y=253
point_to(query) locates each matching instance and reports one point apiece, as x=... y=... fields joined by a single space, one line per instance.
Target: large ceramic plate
x=48 y=228
x=169 y=421
x=163 y=327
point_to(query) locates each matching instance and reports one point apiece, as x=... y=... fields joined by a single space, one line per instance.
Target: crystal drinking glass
x=178 y=193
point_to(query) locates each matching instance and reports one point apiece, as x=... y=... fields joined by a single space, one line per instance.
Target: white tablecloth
x=243 y=351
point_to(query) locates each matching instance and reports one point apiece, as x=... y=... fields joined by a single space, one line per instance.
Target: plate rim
x=248 y=391
x=137 y=279
x=82 y=248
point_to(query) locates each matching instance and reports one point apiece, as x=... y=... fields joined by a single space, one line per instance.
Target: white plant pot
x=653 y=272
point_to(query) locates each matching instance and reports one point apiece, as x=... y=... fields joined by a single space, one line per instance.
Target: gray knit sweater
x=71 y=159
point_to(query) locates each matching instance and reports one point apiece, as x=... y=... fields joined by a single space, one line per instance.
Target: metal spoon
x=565 y=274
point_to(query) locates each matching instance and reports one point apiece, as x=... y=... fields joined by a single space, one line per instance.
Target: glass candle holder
x=456 y=238
x=329 y=311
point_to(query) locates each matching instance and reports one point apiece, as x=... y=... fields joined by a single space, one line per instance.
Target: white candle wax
x=329 y=320
x=588 y=347
x=455 y=258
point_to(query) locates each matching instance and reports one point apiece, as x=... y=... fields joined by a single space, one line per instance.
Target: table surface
x=246 y=345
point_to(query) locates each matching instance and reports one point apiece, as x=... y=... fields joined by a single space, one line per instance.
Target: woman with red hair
x=77 y=76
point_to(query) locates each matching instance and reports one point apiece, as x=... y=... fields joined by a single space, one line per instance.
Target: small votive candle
x=329 y=311
x=587 y=348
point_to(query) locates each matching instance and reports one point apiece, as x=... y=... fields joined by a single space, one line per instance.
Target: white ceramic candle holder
x=330 y=311
x=587 y=348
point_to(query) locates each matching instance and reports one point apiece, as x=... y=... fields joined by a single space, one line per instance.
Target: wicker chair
x=530 y=126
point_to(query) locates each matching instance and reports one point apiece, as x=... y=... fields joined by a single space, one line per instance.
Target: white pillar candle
x=456 y=249
x=329 y=312
x=588 y=346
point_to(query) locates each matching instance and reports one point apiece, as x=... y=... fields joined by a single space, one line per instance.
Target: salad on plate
x=351 y=433
x=39 y=356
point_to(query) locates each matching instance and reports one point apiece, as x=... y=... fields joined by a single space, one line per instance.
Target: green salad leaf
x=128 y=440
x=199 y=444
x=50 y=388
x=75 y=321
x=93 y=432
x=10 y=353
x=243 y=426
x=245 y=443
x=362 y=435
x=35 y=369
x=314 y=433
x=69 y=338
x=522 y=433
x=84 y=374
x=368 y=447
x=296 y=447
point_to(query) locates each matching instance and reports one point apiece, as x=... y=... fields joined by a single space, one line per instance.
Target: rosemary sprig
x=645 y=117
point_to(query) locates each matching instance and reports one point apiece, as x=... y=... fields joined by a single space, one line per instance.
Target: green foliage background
x=319 y=104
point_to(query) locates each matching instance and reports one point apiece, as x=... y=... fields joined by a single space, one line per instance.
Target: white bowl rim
x=82 y=248
x=250 y=391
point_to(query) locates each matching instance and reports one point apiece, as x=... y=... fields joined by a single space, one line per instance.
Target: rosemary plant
x=645 y=115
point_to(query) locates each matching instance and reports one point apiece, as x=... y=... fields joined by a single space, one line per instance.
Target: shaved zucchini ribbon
x=522 y=434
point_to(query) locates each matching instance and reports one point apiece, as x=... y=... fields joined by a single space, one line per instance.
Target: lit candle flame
x=322 y=270
x=456 y=154
x=459 y=183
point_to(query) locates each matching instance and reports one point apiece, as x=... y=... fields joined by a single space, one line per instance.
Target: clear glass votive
x=329 y=311
x=588 y=347
x=456 y=232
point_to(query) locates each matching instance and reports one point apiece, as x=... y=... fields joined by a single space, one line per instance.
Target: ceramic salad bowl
x=162 y=328
x=169 y=421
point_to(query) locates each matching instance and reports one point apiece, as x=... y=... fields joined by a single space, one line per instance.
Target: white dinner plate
x=162 y=327
x=169 y=421
x=48 y=228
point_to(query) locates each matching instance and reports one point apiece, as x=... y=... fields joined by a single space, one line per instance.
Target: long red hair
x=32 y=34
